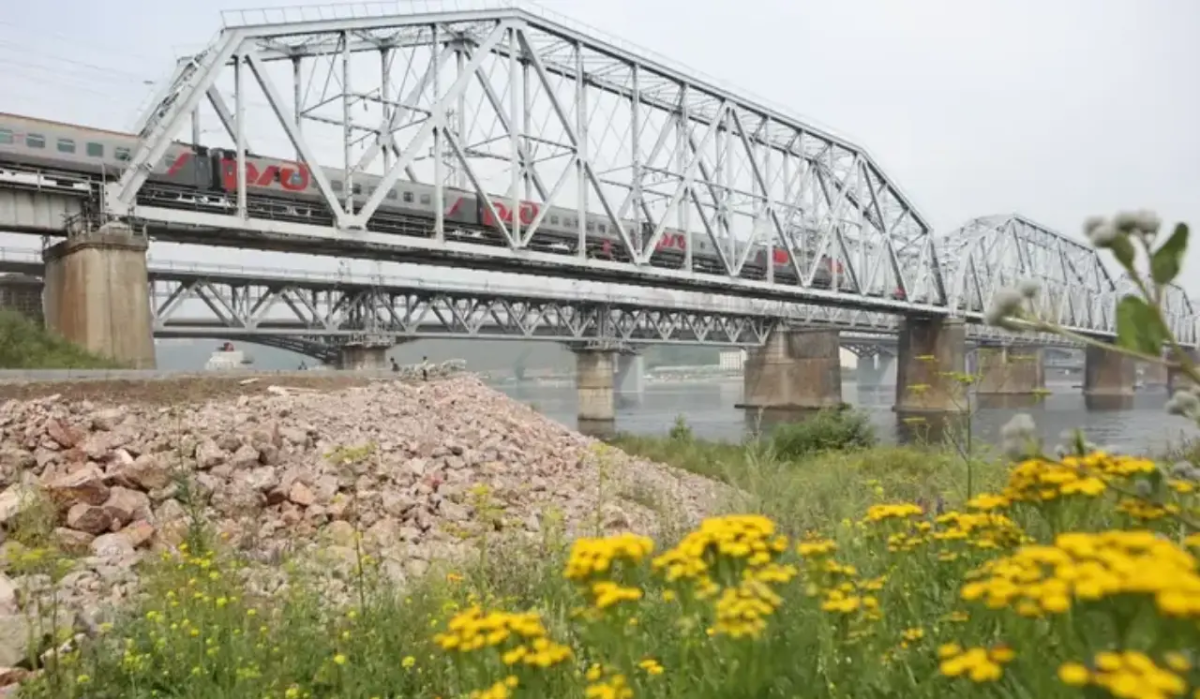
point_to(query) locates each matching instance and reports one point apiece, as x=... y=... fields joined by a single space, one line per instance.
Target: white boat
x=227 y=357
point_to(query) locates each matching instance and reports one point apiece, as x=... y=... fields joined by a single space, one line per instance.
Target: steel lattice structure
x=522 y=106
x=1077 y=291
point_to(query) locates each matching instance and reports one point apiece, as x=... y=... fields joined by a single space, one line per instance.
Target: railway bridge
x=501 y=137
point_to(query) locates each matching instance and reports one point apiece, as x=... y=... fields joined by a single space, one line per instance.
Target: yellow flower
x=339 y=659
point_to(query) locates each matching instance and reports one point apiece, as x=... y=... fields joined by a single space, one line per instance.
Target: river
x=708 y=409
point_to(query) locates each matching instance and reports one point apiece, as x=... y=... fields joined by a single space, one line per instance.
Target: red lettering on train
x=672 y=241
x=293 y=177
x=529 y=211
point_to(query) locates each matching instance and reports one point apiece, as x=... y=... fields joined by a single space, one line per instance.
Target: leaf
x=1168 y=259
x=1138 y=327
x=1123 y=250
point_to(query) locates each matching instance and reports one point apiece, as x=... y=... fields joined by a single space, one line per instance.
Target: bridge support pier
x=795 y=370
x=1010 y=371
x=1108 y=379
x=97 y=295
x=594 y=390
x=929 y=349
x=1176 y=379
x=631 y=374
x=362 y=357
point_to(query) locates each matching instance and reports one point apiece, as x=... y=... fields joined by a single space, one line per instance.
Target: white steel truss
x=544 y=118
x=1077 y=291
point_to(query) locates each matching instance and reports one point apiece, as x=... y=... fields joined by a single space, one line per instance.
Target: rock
x=245 y=457
x=147 y=472
x=138 y=533
x=13 y=461
x=85 y=485
x=89 y=518
x=112 y=546
x=65 y=437
x=14 y=640
x=301 y=495
x=14 y=501
x=8 y=596
x=71 y=541
x=340 y=533
x=125 y=505
x=107 y=420
x=208 y=454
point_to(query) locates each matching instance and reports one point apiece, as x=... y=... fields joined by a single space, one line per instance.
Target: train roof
x=67 y=125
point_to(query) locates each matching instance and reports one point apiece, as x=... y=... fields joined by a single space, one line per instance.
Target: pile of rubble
x=415 y=468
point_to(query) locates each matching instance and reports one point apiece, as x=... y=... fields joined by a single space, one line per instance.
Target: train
x=286 y=189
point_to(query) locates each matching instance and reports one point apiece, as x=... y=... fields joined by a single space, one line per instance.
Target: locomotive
x=288 y=186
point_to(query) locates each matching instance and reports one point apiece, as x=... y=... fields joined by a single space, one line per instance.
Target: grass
x=26 y=345
x=838 y=589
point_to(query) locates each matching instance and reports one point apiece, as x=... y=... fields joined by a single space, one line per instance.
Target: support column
x=930 y=349
x=1010 y=371
x=594 y=389
x=97 y=295
x=631 y=372
x=1176 y=379
x=794 y=370
x=1108 y=379
x=363 y=357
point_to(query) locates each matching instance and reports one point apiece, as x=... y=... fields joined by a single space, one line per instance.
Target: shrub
x=25 y=345
x=825 y=431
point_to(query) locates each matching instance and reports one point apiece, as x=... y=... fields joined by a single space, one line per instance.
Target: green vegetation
x=25 y=345
x=1074 y=575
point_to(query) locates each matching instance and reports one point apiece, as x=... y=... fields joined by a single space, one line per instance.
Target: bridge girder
x=589 y=126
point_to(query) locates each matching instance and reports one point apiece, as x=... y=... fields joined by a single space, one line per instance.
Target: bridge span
x=501 y=137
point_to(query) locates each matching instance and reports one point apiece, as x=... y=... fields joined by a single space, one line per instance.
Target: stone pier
x=594 y=390
x=363 y=357
x=929 y=349
x=1010 y=371
x=795 y=370
x=97 y=295
x=1176 y=379
x=1108 y=379
x=630 y=375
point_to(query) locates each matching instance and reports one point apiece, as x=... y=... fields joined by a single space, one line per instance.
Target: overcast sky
x=1057 y=109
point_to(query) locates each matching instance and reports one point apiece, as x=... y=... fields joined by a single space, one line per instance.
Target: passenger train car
x=287 y=190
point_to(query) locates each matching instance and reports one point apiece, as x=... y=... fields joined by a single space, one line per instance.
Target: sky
x=1057 y=110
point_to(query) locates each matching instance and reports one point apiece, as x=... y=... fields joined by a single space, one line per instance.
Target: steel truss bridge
x=315 y=313
x=514 y=101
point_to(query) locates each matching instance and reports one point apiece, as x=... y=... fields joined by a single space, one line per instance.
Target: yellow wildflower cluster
x=1038 y=480
x=1146 y=510
x=1130 y=674
x=986 y=502
x=595 y=557
x=521 y=638
x=500 y=690
x=604 y=684
x=983 y=530
x=977 y=664
x=1039 y=579
x=815 y=546
x=742 y=611
x=747 y=538
x=904 y=510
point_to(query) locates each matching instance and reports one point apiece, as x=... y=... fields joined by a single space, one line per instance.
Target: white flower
x=1183 y=403
x=1104 y=235
x=1091 y=224
x=1005 y=305
x=1142 y=221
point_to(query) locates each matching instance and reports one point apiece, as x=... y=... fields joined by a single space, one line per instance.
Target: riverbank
x=386 y=512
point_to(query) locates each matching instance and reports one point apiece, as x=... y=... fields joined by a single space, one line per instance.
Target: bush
x=827 y=430
x=25 y=345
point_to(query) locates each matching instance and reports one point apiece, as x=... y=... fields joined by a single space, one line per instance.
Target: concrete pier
x=1176 y=379
x=594 y=389
x=794 y=370
x=631 y=375
x=1010 y=371
x=97 y=295
x=929 y=350
x=1108 y=379
x=363 y=357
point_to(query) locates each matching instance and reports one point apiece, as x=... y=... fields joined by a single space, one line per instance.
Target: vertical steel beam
x=439 y=117
x=239 y=98
x=347 y=132
x=298 y=102
x=385 y=96
x=514 y=138
x=635 y=155
x=581 y=149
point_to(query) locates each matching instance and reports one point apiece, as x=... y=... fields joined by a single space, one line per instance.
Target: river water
x=708 y=409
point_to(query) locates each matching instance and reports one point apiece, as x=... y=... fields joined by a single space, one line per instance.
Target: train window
x=408 y=197
x=391 y=194
x=6 y=136
x=121 y=154
x=425 y=199
x=95 y=150
x=603 y=227
x=66 y=145
x=553 y=220
x=591 y=225
x=34 y=140
x=358 y=189
x=336 y=185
